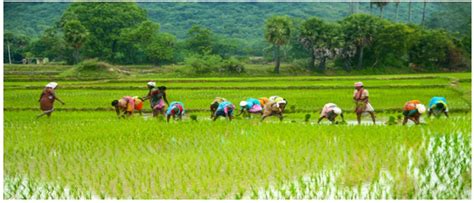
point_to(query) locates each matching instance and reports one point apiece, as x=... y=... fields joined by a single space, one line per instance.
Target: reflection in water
x=440 y=174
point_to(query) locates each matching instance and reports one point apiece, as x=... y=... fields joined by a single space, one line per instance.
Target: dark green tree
x=134 y=40
x=277 y=32
x=359 y=30
x=75 y=35
x=51 y=44
x=161 y=48
x=18 y=47
x=391 y=45
x=104 y=22
x=430 y=49
x=321 y=39
x=200 y=39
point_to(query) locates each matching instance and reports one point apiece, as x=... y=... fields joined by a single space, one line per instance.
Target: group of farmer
x=157 y=96
x=271 y=106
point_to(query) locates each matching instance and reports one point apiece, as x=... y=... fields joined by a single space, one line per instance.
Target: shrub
x=232 y=65
x=203 y=64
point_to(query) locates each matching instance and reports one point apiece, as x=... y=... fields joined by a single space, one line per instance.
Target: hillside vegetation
x=215 y=38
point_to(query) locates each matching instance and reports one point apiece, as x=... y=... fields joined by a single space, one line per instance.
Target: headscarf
x=151 y=84
x=52 y=85
x=358 y=84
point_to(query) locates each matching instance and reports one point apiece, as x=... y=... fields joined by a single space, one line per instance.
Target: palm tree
x=277 y=32
x=397 y=3
x=381 y=4
x=409 y=11
x=424 y=10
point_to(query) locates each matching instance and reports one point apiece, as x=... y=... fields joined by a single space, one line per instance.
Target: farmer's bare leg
x=372 y=114
x=280 y=116
x=416 y=119
x=358 y=117
x=405 y=120
x=45 y=113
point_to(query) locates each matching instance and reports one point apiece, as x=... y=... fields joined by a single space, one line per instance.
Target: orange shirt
x=411 y=105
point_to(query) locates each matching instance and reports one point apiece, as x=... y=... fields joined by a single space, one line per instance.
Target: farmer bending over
x=413 y=110
x=138 y=104
x=175 y=110
x=437 y=106
x=331 y=111
x=251 y=105
x=215 y=104
x=279 y=99
x=361 y=98
x=126 y=105
x=273 y=108
x=263 y=101
x=225 y=109
x=47 y=99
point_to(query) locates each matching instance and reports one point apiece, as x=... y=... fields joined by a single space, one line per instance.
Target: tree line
x=123 y=34
x=363 y=41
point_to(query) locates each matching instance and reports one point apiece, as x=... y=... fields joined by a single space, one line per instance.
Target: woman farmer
x=413 y=110
x=437 y=106
x=251 y=105
x=273 y=108
x=158 y=99
x=138 y=104
x=150 y=85
x=361 y=98
x=47 y=99
x=279 y=99
x=225 y=109
x=126 y=105
x=331 y=111
x=215 y=104
x=175 y=109
x=263 y=101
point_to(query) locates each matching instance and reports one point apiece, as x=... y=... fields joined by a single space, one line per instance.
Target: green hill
x=237 y=20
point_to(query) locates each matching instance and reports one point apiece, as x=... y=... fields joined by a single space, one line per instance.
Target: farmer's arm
x=59 y=99
x=342 y=117
x=117 y=110
x=320 y=119
x=366 y=99
x=166 y=100
x=446 y=113
x=405 y=120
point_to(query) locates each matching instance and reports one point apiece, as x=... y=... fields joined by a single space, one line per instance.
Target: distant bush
x=203 y=64
x=232 y=65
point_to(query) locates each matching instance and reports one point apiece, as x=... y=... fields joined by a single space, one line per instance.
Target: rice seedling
x=112 y=158
x=93 y=155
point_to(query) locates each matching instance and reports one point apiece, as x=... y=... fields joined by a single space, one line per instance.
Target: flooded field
x=106 y=158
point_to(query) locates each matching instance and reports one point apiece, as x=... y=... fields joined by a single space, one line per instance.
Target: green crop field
x=85 y=152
